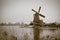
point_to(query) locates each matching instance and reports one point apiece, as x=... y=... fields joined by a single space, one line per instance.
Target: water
x=22 y=33
x=18 y=32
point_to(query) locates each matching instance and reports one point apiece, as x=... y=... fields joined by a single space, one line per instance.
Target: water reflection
x=27 y=33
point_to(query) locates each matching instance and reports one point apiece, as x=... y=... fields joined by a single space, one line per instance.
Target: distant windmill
x=36 y=16
x=36 y=23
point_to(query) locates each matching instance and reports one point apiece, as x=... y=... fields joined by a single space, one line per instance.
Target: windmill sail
x=42 y=15
x=34 y=10
x=39 y=9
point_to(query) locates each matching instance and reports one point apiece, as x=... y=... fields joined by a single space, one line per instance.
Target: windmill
x=36 y=23
x=36 y=16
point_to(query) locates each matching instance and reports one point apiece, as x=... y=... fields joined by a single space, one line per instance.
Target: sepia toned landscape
x=29 y=20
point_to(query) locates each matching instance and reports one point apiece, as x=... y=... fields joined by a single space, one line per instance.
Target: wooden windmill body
x=36 y=16
x=37 y=21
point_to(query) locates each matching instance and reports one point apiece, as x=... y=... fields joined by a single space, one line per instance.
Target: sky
x=21 y=10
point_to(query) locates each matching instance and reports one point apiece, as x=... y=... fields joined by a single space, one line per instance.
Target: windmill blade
x=34 y=10
x=39 y=9
x=42 y=15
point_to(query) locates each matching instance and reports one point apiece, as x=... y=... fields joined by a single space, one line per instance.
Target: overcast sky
x=21 y=10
